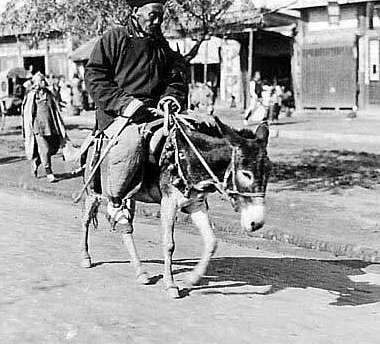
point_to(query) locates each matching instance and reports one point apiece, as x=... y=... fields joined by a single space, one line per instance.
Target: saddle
x=90 y=151
x=155 y=139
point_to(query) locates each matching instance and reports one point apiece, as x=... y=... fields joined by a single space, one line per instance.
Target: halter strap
x=200 y=157
x=231 y=169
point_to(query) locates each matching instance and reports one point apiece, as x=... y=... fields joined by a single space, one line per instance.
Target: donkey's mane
x=246 y=133
x=209 y=126
x=213 y=145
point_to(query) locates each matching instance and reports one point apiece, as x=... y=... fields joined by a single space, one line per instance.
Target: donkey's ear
x=262 y=132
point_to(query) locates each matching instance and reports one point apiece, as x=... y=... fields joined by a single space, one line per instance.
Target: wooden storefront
x=337 y=55
x=329 y=75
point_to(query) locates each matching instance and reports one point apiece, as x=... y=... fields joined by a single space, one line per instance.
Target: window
x=374 y=74
x=333 y=12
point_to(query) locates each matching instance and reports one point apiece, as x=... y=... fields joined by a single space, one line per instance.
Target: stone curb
x=339 y=249
x=317 y=135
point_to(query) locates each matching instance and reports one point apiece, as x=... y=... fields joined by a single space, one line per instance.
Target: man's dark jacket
x=123 y=67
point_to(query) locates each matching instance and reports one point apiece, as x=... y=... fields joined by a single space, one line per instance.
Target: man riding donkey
x=131 y=72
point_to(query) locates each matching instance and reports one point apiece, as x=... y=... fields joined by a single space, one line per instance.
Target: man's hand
x=156 y=112
x=174 y=105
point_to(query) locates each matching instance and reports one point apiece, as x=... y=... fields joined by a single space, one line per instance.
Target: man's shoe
x=51 y=178
x=34 y=169
x=119 y=219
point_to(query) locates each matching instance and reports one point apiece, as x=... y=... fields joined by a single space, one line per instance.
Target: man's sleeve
x=177 y=85
x=99 y=77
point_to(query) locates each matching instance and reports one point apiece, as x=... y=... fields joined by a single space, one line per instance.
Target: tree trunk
x=194 y=50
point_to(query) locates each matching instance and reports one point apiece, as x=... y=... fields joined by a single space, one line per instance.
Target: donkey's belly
x=151 y=195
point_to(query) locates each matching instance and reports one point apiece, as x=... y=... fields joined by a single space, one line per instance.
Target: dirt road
x=250 y=295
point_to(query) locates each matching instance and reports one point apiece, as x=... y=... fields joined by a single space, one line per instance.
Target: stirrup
x=118 y=218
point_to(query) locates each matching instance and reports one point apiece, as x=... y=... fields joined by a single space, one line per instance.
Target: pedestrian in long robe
x=43 y=128
x=77 y=101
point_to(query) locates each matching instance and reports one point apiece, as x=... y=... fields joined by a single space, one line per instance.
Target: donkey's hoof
x=86 y=263
x=143 y=279
x=192 y=279
x=173 y=292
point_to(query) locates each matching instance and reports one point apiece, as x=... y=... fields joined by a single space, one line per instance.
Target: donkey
x=182 y=178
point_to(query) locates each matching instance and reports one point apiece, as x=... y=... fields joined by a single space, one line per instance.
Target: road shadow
x=327 y=169
x=283 y=273
x=279 y=123
x=276 y=274
x=78 y=127
x=111 y=262
x=10 y=132
x=11 y=159
x=67 y=175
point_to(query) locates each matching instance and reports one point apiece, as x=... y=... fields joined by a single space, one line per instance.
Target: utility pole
x=205 y=63
x=250 y=55
x=207 y=38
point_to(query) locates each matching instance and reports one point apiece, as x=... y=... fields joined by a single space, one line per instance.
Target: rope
x=222 y=188
x=200 y=157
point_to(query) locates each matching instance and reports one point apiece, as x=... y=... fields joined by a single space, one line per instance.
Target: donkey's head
x=247 y=176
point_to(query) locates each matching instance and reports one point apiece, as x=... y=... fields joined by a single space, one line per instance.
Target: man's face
x=150 y=18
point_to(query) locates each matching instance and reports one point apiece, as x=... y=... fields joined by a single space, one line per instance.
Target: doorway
x=38 y=63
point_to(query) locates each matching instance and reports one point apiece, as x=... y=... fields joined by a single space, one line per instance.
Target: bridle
x=231 y=171
x=222 y=188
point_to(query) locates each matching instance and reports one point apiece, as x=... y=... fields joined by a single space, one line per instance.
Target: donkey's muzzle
x=256 y=226
x=253 y=216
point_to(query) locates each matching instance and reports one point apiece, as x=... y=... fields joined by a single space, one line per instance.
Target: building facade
x=51 y=56
x=252 y=40
x=337 y=55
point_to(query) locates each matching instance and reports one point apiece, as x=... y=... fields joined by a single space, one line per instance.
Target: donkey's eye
x=247 y=174
x=245 y=178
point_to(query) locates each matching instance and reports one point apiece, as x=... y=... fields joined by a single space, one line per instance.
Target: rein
x=231 y=169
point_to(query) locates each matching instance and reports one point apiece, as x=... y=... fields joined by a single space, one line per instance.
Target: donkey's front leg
x=141 y=275
x=199 y=216
x=129 y=243
x=168 y=212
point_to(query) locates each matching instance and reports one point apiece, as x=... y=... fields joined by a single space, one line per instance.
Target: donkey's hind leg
x=199 y=216
x=90 y=211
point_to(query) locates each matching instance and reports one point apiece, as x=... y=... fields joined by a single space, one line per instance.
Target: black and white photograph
x=190 y=171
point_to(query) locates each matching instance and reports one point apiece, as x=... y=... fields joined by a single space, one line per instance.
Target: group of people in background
x=71 y=96
x=267 y=100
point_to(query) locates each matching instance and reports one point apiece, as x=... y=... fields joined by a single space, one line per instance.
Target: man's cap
x=38 y=77
x=140 y=3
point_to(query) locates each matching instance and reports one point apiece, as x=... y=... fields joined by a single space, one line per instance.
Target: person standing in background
x=55 y=90
x=255 y=93
x=275 y=103
x=77 y=103
x=43 y=128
